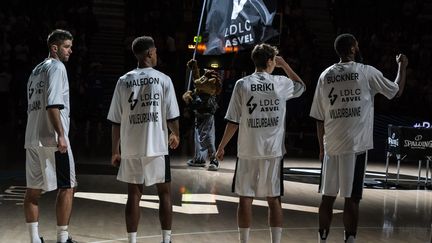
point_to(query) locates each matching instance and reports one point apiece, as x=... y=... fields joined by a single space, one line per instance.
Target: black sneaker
x=214 y=165
x=196 y=163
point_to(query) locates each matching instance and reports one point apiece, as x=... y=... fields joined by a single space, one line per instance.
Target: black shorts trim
x=281 y=177
x=167 y=169
x=359 y=174
x=60 y=107
x=321 y=177
x=234 y=178
x=233 y=122
x=173 y=119
x=63 y=170
x=114 y=123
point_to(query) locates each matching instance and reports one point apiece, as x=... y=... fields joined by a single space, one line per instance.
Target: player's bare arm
x=54 y=117
x=402 y=62
x=320 y=136
x=281 y=63
x=115 y=146
x=174 y=137
x=230 y=130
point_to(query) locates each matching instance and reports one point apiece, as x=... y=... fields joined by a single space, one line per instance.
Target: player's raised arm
x=402 y=62
x=281 y=63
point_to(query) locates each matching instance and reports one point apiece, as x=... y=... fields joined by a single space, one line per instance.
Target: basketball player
x=49 y=161
x=142 y=109
x=257 y=106
x=344 y=109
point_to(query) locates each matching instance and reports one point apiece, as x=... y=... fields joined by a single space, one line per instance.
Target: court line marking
x=252 y=230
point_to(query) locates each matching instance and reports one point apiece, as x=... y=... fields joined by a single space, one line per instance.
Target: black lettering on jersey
x=142 y=81
x=135 y=119
x=342 y=77
x=36 y=105
x=132 y=102
x=345 y=112
x=251 y=106
x=31 y=90
x=332 y=96
x=263 y=122
x=262 y=87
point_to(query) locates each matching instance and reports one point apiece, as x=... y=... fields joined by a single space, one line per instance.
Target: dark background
x=104 y=29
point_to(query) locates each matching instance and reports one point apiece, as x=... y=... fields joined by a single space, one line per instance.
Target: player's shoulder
x=278 y=78
x=53 y=65
x=242 y=81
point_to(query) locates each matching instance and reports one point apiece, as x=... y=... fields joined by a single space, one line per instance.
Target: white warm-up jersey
x=258 y=105
x=47 y=87
x=144 y=99
x=344 y=100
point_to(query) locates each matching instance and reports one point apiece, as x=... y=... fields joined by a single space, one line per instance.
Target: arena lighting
x=201 y=47
x=214 y=65
x=191 y=203
x=229 y=49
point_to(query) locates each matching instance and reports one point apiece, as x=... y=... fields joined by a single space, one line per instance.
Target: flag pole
x=196 y=42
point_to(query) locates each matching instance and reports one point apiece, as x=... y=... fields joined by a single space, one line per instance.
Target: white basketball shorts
x=344 y=174
x=48 y=169
x=145 y=170
x=258 y=177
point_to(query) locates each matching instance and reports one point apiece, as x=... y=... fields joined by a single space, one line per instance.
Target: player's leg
x=275 y=218
x=132 y=210
x=244 y=217
x=329 y=188
x=31 y=212
x=165 y=210
x=325 y=215
x=157 y=171
x=354 y=169
x=40 y=175
x=64 y=203
x=66 y=183
x=351 y=217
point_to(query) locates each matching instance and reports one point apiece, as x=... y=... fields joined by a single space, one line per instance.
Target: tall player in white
x=258 y=107
x=143 y=108
x=49 y=161
x=343 y=106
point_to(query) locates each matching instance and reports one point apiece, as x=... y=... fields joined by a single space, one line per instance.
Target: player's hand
x=174 y=141
x=220 y=154
x=402 y=60
x=61 y=144
x=115 y=160
x=187 y=96
x=280 y=61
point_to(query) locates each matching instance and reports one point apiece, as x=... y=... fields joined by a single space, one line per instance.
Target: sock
x=33 y=229
x=166 y=236
x=244 y=235
x=276 y=234
x=62 y=233
x=132 y=237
